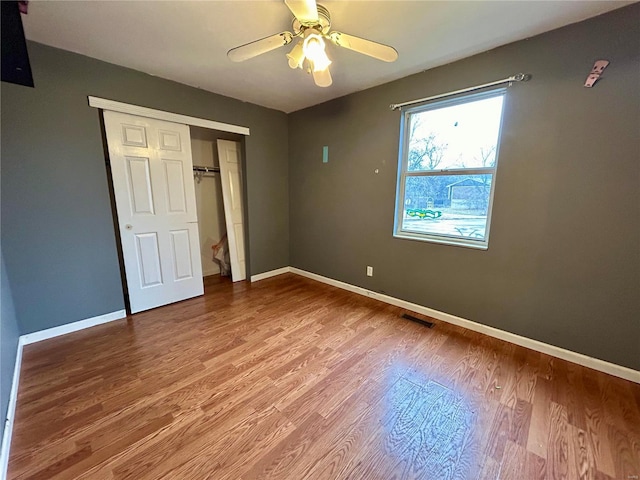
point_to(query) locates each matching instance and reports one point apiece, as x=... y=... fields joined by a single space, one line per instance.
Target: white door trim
x=114 y=106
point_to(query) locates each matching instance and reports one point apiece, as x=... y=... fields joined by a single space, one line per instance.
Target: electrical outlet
x=369 y=271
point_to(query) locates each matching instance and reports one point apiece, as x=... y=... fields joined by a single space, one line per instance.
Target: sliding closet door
x=152 y=172
x=229 y=155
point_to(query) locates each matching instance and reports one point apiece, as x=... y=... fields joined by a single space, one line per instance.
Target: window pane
x=452 y=205
x=457 y=136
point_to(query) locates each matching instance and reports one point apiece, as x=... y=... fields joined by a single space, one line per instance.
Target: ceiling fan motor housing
x=323 y=24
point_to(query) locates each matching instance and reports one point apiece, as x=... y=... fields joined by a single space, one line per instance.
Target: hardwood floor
x=292 y=379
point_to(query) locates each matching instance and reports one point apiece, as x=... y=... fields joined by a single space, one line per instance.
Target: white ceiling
x=187 y=41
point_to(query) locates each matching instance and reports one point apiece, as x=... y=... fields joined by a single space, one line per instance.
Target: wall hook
x=596 y=71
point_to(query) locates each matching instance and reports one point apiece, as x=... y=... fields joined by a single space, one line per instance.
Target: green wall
x=563 y=264
x=57 y=229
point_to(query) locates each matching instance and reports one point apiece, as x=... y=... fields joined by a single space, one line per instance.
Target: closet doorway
x=161 y=250
x=219 y=199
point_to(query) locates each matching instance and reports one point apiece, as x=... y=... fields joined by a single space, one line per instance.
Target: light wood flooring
x=288 y=378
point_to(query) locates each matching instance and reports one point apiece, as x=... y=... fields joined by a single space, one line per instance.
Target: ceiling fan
x=311 y=24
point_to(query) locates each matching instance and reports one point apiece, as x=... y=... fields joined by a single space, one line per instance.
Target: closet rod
x=197 y=168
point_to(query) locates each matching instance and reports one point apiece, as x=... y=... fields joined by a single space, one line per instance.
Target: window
x=446 y=176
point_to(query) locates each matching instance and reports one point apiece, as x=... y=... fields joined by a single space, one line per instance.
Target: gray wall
x=563 y=264
x=8 y=343
x=57 y=230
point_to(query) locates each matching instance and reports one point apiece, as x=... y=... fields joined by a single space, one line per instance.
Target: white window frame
x=403 y=173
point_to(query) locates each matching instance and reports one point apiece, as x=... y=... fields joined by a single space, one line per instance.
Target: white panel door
x=152 y=173
x=229 y=156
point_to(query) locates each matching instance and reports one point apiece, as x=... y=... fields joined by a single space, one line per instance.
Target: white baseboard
x=580 y=359
x=72 y=327
x=32 y=338
x=11 y=411
x=271 y=273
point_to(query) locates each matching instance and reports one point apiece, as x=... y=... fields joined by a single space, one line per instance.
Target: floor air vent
x=418 y=320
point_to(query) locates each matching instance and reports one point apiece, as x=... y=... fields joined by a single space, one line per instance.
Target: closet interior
x=209 y=200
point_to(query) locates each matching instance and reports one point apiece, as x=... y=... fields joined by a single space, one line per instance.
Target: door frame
x=115 y=106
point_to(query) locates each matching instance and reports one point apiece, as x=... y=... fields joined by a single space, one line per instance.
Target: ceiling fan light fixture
x=312 y=25
x=322 y=78
x=296 y=56
x=313 y=48
x=321 y=63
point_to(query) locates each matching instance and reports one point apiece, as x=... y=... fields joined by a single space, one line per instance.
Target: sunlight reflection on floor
x=427 y=429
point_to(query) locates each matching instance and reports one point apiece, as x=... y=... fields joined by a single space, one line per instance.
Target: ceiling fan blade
x=368 y=47
x=306 y=11
x=264 y=45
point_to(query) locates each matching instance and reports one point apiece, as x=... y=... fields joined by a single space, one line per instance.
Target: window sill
x=442 y=240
